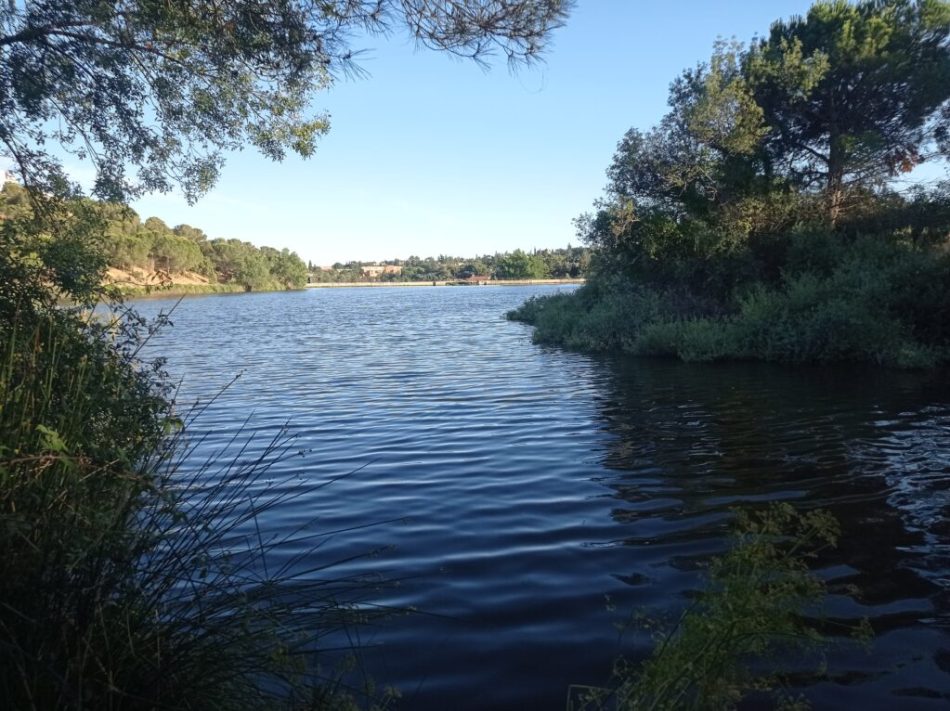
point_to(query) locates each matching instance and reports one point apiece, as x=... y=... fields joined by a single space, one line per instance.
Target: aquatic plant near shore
x=880 y=300
x=756 y=605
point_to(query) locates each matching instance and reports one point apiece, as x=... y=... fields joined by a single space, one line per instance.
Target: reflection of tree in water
x=871 y=446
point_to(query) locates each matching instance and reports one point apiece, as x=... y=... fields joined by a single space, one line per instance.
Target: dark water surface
x=528 y=484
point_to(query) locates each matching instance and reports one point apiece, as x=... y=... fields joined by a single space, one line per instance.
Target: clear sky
x=431 y=155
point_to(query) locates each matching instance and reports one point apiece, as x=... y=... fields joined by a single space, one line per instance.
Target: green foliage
x=285 y=267
x=598 y=317
x=49 y=250
x=519 y=265
x=850 y=91
x=70 y=244
x=125 y=582
x=747 y=625
x=884 y=302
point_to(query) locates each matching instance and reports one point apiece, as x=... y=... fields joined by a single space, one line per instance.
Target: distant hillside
x=151 y=253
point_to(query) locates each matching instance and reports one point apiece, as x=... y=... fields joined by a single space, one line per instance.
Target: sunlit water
x=516 y=489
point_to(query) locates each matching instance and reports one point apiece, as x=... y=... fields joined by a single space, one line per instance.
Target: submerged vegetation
x=761 y=219
x=756 y=615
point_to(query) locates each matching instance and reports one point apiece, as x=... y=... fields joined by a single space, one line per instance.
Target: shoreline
x=499 y=282
x=175 y=290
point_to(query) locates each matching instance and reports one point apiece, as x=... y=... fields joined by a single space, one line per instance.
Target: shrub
x=695 y=340
x=881 y=299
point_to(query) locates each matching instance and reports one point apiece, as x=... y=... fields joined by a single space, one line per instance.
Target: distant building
x=375 y=270
x=7 y=177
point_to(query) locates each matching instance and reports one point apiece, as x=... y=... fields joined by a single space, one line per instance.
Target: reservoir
x=528 y=500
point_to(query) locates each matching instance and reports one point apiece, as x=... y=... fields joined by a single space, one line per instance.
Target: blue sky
x=432 y=155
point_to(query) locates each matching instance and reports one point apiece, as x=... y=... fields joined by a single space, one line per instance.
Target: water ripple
x=523 y=485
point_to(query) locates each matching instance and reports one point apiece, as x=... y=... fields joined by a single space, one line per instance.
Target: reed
x=134 y=577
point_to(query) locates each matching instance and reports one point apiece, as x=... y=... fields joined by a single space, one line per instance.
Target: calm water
x=523 y=485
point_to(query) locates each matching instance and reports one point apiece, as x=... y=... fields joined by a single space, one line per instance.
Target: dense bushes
x=868 y=299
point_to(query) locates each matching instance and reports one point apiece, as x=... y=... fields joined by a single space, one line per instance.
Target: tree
x=519 y=265
x=703 y=153
x=827 y=109
x=286 y=268
x=166 y=87
x=193 y=233
x=853 y=95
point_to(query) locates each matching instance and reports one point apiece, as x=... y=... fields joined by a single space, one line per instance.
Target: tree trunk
x=835 y=189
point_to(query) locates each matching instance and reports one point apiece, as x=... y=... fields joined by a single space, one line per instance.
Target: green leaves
x=749 y=617
x=723 y=113
x=50 y=441
x=852 y=93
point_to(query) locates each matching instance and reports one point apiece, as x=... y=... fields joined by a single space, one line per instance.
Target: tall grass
x=131 y=578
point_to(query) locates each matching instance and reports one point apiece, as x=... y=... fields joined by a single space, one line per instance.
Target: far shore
x=173 y=289
x=494 y=282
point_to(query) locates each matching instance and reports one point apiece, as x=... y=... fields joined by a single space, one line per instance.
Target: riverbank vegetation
x=768 y=215
x=568 y=263
x=132 y=577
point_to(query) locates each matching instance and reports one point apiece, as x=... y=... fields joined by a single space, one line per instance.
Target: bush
x=882 y=300
x=593 y=318
x=696 y=340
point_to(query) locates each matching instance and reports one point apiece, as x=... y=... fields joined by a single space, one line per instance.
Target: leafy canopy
x=830 y=105
x=854 y=94
x=153 y=91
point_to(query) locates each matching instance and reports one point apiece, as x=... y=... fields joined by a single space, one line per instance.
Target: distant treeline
x=151 y=246
x=568 y=263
